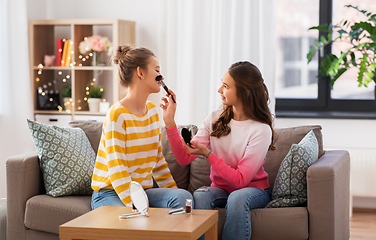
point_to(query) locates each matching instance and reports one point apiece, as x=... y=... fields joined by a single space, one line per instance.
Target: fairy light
x=64 y=80
x=68 y=76
x=85 y=99
x=60 y=72
x=80 y=56
x=104 y=100
x=79 y=108
x=94 y=79
x=37 y=79
x=40 y=65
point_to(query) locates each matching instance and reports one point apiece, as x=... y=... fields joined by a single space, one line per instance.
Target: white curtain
x=200 y=39
x=15 y=97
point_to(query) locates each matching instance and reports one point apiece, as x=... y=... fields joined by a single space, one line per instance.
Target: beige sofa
x=32 y=215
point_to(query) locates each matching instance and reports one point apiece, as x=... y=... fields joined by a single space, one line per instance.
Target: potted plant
x=66 y=93
x=95 y=97
x=360 y=53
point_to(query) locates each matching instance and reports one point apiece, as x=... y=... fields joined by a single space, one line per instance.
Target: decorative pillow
x=93 y=131
x=65 y=157
x=290 y=187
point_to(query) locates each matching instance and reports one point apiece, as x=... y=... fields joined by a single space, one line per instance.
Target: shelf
x=47 y=82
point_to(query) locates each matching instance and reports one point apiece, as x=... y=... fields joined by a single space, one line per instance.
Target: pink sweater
x=237 y=159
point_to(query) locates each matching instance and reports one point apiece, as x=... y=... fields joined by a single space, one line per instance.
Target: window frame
x=324 y=105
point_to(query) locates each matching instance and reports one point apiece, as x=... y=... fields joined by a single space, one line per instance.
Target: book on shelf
x=69 y=54
x=59 y=51
x=65 y=49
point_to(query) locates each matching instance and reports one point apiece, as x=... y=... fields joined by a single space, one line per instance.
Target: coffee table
x=104 y=223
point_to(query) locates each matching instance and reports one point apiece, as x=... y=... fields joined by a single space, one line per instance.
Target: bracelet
x=208 y=155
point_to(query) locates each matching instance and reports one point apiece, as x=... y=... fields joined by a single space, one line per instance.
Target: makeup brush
x=159 y=79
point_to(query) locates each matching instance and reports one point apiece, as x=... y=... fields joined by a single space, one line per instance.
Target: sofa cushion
x=199 y=174
x=290 y=187
x=45 y=213
x=66 y=159
x=286 y=137
x=93 y=131
x=179 y=173
x=280 y=223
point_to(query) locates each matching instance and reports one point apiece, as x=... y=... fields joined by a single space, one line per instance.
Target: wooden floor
x=363 y=225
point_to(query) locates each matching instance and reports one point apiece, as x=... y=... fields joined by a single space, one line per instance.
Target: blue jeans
x=238 y=205
x=158 y=197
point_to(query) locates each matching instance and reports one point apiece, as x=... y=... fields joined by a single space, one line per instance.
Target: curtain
x=15 y=97
x=200 y=39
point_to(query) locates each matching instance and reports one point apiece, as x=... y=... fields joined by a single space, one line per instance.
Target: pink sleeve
x=248 y=166
x=177 y=147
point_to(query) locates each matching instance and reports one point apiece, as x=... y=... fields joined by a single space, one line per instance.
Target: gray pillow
x=290 y=187
x=93 y=131
x=66 y=159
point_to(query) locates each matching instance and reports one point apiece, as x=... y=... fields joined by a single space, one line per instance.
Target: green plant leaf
x=353 y=60
x=317 y=42
x=323 y=39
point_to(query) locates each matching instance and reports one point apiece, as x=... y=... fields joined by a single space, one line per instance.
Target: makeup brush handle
x=168 y=92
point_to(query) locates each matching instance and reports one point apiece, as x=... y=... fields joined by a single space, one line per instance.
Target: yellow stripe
x=142 y=148
x=119 y=175
x=144 y=123
x=126 y=200
x=101 y=166
x=115 y=134
x=101 y=179
x=148 y=177
x=170 y=185
x=143 y=170
x=141 y=135
x=102 y=154
x=162 y=167
x=164 y=177
x=122 y=187
x=140 y=161
x=115 y=148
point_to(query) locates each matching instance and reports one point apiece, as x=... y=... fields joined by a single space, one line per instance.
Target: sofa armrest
x=328 y=194
x=24 y=180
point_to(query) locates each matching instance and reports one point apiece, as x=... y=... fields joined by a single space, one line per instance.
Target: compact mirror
x=139 y=199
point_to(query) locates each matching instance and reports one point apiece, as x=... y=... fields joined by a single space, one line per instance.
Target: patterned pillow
x=290 y=187
x=65 y=157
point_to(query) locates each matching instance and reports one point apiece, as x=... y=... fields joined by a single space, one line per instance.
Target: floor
x=363 y=225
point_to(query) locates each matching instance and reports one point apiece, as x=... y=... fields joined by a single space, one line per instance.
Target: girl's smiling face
x=228 y=91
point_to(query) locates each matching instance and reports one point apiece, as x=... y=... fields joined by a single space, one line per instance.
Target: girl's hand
x=196 y=148
x=169 y=109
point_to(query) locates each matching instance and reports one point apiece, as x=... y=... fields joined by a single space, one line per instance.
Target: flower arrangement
x=96 y=43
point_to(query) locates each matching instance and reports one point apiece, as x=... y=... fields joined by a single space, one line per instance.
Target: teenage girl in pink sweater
x=239 y=135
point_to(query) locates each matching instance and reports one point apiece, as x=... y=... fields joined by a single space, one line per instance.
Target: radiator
x=363 y=172
x=3 y=221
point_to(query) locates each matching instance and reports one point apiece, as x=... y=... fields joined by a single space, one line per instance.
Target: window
x=298 y=91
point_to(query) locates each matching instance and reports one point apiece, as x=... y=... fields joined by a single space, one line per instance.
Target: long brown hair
x=129 y=59
x=254 y=95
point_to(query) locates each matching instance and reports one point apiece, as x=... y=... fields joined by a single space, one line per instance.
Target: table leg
x=212 y=233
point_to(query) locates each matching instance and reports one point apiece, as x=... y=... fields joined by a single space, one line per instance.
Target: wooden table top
x=104 y=223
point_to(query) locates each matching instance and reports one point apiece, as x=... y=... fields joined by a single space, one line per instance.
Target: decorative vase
x=94 y=104
x=96 y=61
x=104 y=106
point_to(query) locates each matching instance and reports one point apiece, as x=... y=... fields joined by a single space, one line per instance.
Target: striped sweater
x=130 y=150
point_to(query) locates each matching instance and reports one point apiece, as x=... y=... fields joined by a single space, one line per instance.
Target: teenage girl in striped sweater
x=130 y=146
x=239 y=135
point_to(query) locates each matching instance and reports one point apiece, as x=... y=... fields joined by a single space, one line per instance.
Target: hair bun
x=121 y=51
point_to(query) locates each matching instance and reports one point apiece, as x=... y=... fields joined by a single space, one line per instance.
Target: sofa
x=33 y=215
